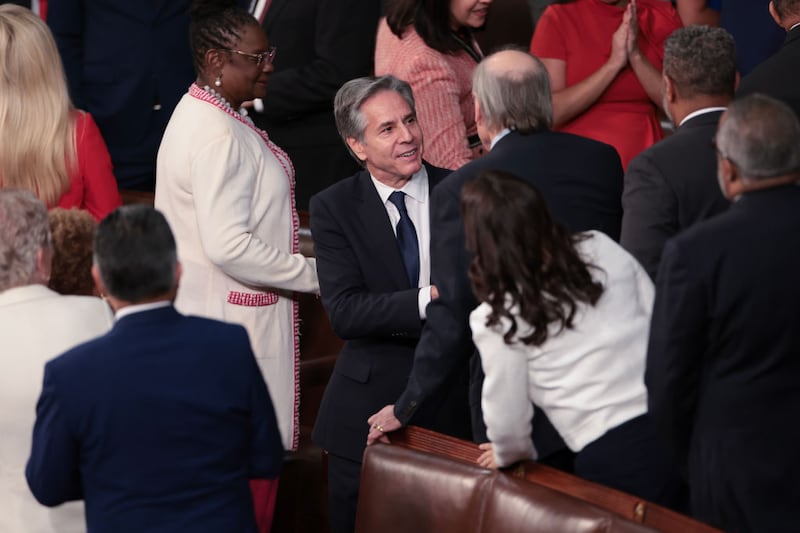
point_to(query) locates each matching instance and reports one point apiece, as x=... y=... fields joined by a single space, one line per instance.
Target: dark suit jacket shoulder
x=779 y=75
x=158 y=425
x=669 y=187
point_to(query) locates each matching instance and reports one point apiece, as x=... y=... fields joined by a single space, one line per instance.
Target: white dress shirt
x=417 y=197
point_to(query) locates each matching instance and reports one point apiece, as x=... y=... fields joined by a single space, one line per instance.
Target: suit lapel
x=378 y=230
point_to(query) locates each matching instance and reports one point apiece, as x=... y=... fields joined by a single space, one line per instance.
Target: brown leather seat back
x=404 y=490
x=414 y=492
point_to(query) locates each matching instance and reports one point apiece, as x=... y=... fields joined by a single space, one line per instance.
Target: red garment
x=580 y=33
x=93 y=188
x=265 y=492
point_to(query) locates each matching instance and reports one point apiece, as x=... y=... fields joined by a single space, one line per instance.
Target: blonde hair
x=37 y=130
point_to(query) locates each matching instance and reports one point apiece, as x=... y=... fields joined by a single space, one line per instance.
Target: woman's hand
x=632 y=40
x=486 y=460
x=619 y=42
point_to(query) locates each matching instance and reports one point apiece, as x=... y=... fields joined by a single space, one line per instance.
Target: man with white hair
x=36 y=324
x=722 y=363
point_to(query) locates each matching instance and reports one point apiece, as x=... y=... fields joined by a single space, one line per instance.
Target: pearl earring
x=218 y=81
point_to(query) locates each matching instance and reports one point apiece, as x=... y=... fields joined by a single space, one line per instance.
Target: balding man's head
x=512 y=90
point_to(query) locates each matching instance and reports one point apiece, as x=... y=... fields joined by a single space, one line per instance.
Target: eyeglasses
x=258 y=59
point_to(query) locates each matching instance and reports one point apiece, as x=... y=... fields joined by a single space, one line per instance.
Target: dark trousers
x=343 y=479
x=631 y=458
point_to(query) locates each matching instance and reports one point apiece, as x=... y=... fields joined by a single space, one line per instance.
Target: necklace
x=227 y=105
x=208 y=95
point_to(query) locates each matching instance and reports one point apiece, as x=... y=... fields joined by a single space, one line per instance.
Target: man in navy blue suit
x=159 y=424
x=375 y=289
x=127 y=63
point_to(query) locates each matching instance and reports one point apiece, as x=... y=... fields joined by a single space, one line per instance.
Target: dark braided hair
x=522 y=257
x=215 y=24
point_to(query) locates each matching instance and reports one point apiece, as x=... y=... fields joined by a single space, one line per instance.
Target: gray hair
x=24 y=230
x=701 y=60
x=518 y=98
x=761 y=136
x=350 y=120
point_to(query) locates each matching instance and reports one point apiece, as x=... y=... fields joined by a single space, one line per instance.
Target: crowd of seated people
x=523 y=260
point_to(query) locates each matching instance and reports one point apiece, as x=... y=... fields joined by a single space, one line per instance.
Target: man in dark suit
x=159 y=424
x=673 y=184
x=581 y=180
x=722 y=363
x=375 y=301
x=128 y=64
x=779 y=76
x=321 y=44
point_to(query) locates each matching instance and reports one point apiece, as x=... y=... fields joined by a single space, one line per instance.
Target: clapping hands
x=625 y=41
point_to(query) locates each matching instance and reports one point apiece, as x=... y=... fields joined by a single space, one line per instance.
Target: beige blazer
x=36 y=325
x=228 y=200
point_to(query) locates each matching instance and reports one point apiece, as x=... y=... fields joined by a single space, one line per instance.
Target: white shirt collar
x=140 y=308
x=794 y=26
x=699 y=112
x=416 y=187
x=499 y=136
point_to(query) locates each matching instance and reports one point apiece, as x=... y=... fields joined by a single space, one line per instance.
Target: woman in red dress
x=47 y=146
x=604 y=60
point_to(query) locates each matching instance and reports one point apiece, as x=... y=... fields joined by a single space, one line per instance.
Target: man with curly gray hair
x=672 y=185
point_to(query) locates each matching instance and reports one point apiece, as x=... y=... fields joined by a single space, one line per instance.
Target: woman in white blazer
x=228 y=194
x=563 y=324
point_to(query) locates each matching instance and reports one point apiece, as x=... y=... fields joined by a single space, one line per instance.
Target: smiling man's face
x=392 y=144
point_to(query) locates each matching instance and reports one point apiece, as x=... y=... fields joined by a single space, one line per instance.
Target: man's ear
x=729 y=180
x=44 y=264
x=478 y=110
x=670 y=91
x=775 y=16
x=98 y=281
x=358 y=148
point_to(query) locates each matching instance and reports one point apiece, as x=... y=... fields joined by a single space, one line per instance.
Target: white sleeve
x=223 y=180
x=505 y=401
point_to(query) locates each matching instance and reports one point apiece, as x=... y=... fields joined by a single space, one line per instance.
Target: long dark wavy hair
x=522 y=257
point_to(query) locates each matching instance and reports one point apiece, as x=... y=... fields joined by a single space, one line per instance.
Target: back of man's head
x=135 y=254
x=701 y=61
x=787 y=10
x=513 y=91
x=761 y=136
x=24 y=232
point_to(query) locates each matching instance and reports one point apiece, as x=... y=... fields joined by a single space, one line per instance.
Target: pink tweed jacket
x=442 y=85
